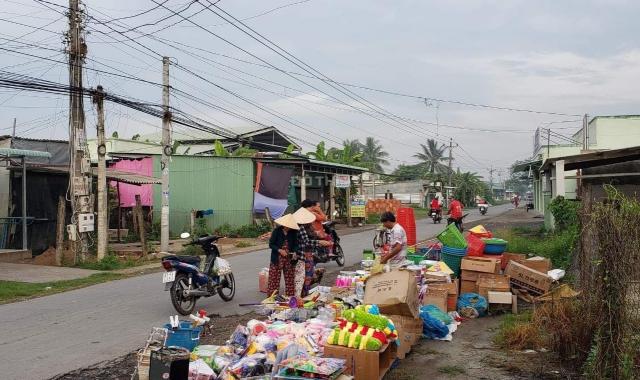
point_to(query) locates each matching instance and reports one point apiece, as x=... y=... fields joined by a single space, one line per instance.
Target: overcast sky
x=568 y=57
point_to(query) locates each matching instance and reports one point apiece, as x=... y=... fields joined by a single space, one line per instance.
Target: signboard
x=358 y=207
x=343 y=181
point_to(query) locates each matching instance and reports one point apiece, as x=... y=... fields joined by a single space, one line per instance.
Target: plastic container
x=453 y=258
x=407 y=220
x=494 y=246
x=452 y=237
x=416 y=259
x=185 y=336
x=454 y=251
x=263 y=280
x=475 y=246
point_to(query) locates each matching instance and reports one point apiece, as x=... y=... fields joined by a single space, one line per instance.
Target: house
x=603 y=133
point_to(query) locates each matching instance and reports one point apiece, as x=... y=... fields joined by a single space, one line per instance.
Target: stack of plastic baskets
x=407 y=220
x=454 y=248
x=453 y=258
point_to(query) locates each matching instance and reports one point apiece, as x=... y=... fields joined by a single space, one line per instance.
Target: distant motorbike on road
x=186 y=282
x=336 y=254
x=483 y=208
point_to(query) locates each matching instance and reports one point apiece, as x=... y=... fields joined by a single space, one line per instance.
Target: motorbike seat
x=207 y=239
x=329 y=223
x=193 y=260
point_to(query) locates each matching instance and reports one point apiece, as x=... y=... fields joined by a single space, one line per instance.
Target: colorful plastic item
x=184 y=336
x=475 y=246
x=452 y=237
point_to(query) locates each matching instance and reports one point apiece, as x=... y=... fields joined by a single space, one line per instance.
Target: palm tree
x=468 y=185
x=354 y=145
x=433 y=156
x=373 y=155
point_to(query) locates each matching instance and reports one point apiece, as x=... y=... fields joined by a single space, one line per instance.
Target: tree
x=244 y=151
x=219 y=150
x=114 y=134
x=374 y=157
x=355 y=145
x=408 y=172
x=468 y=185
x=321 y=153
x=433 y=156
x=135 y=137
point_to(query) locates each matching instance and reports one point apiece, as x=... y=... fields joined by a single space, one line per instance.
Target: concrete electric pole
x=79 y=162
x=450 y=160
x=103 y=211
x=164 y=163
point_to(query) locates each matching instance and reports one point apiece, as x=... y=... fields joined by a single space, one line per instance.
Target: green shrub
x=243 y=244
x=201 y=228
x=565 y=212
x=373 y=219
x=557 y=246
x=109 y=262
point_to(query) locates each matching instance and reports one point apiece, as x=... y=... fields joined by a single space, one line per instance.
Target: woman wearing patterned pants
x=284 y=239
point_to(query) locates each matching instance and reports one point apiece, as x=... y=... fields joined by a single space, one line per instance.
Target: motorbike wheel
x=339 y=255
x=183 y=305
x=227 y=288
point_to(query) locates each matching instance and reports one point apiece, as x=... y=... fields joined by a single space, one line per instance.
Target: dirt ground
x=471 y=354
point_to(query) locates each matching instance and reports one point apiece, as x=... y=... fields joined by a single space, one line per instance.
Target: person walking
x=283 y=244
x=307 y=245
x=395 y=239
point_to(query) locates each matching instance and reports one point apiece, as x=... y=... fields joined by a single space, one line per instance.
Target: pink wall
x=128 y=192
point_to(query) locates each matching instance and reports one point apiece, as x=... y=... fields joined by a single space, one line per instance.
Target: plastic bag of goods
x=472 y=305
x=199 y=370
x=263 y=280
x=432 y=327
x=435 y=312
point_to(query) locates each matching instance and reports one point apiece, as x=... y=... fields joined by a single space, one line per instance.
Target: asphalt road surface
x=47 y=336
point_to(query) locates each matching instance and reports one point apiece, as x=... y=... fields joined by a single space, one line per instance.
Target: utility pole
x=79 y=163
x=164 y=163
x=13 y=135
x=450 y=161
x=491 y=170
x=548 y=142
x=585 y=132
x=98 y=99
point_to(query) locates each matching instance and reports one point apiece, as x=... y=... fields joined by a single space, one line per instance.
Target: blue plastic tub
x=185 y=336
x=494 y=249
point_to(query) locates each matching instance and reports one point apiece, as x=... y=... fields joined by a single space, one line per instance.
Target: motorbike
x=483 y=207
x=187 y=282
x=436 y=215
x=530 y=206
x=336 y=251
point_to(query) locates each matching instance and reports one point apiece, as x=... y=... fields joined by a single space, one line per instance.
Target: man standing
x=395 y=239
x=455 y=212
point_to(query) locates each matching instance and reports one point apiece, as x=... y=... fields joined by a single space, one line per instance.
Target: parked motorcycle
x=187 y=282
x=436 y=215
x=336 y=253
x=483 y=208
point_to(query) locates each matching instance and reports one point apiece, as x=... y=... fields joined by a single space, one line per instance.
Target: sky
x=567 y=58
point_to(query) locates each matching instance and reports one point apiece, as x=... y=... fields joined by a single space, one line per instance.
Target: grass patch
x=557 y=246
x=373 y=218
x=244 y=244
x=11 y=291
x=452 y=370
x=518 y=332
x=111 y=262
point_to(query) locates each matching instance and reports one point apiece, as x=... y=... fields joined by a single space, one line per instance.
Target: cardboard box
x=480 y=264
x=394 y=292
x=527 y=278
x=468 y=287
x=508 y=256
x=492 y=282
x=409 y=333
x=469 y=275
x=432 y=277
x=538 y=263
x=437 y=297
x=504 y=298
x=451 y=287
x=452 y=302
x=362 y=364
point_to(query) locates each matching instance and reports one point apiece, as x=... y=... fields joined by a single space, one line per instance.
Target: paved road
x=43 y=337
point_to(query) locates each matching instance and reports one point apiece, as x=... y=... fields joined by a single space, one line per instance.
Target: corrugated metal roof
x=126 y=177
x=325 y=163
x=23 y=153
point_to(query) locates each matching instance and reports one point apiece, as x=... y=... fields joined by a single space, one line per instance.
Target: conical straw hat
x=287 y=221
x=304 y=216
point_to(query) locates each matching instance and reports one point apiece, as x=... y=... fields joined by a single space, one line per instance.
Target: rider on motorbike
x=455 y=212
x=435 y=206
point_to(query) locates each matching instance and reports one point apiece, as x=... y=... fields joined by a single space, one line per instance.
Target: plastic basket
x=453 y=262
x=184 y=336
x=452 y=237
x=454 y=251
x=475 y=246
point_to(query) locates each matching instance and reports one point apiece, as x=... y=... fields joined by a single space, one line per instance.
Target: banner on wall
x=358 y=209
x=343 y=181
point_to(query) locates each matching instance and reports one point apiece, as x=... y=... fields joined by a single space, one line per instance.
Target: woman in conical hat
x=307 y=245
x=283 y=244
